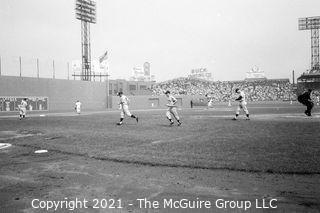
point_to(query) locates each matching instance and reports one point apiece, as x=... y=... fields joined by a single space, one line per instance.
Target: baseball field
x=270 y=163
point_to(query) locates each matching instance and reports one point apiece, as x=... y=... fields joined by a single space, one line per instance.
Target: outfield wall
x=62 y=94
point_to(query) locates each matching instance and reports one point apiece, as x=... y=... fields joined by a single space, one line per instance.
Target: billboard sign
x=11 y=103
x=201 y=73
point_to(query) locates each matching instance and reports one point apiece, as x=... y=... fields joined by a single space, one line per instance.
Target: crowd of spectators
x=260 y=90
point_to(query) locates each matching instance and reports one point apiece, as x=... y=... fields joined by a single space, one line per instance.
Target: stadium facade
x=308 y=81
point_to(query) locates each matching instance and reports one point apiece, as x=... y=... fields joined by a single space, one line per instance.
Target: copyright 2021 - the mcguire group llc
x=144 y=203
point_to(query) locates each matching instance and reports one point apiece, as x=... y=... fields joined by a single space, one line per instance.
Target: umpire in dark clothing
x=305 y=99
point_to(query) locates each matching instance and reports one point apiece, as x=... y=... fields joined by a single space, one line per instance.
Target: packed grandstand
x=258 y=90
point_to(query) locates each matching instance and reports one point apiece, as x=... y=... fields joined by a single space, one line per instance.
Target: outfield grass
x=275 y=140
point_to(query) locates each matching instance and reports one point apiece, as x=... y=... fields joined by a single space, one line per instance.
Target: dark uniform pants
x=309 y=105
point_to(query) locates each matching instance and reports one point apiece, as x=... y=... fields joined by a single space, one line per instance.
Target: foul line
x=16 y=136
x=4 y=145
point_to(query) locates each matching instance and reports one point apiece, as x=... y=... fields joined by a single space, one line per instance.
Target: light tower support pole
x=315 y=49
x=86 y=13
x=86 y=51
x=312 y=24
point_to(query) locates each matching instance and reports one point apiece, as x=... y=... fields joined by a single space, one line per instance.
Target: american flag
x=103 y=57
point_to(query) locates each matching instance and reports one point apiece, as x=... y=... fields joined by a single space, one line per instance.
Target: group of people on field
x=172 y=112
x=172 y=107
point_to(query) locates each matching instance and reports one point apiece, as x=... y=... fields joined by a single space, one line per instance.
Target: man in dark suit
x=305 y=99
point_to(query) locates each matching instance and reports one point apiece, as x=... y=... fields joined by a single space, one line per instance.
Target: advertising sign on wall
x=11 y=103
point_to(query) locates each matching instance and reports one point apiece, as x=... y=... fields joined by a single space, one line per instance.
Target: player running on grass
x=210 y=101
x=124 y=107
x=172 y=108
x=242 y=104
x=23 y=108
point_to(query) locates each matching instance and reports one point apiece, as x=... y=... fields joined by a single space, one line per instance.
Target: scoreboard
x=11 y=103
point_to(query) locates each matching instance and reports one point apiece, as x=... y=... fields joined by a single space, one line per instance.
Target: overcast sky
x=228 y=37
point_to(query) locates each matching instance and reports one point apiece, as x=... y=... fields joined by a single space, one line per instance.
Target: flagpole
x=103 y=58
x=108 y=101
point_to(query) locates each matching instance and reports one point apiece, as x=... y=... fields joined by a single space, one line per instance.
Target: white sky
x=228 y=37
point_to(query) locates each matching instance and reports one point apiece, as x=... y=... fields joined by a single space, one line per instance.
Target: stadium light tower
x=86 y=12
x=313 y=24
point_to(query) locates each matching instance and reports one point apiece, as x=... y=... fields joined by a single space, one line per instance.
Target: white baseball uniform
x=242 y=103
x=172 y=108
x=78 y=107
x=124 y=106
x=210 y=103
x=23 y=108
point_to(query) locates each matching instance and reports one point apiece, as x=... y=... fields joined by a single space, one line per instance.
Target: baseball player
x=306 y=100
x=77 y=107
x=172 y=108
x=23 y=108
x=242 y=104
x=210 y=101
x=124 y=107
